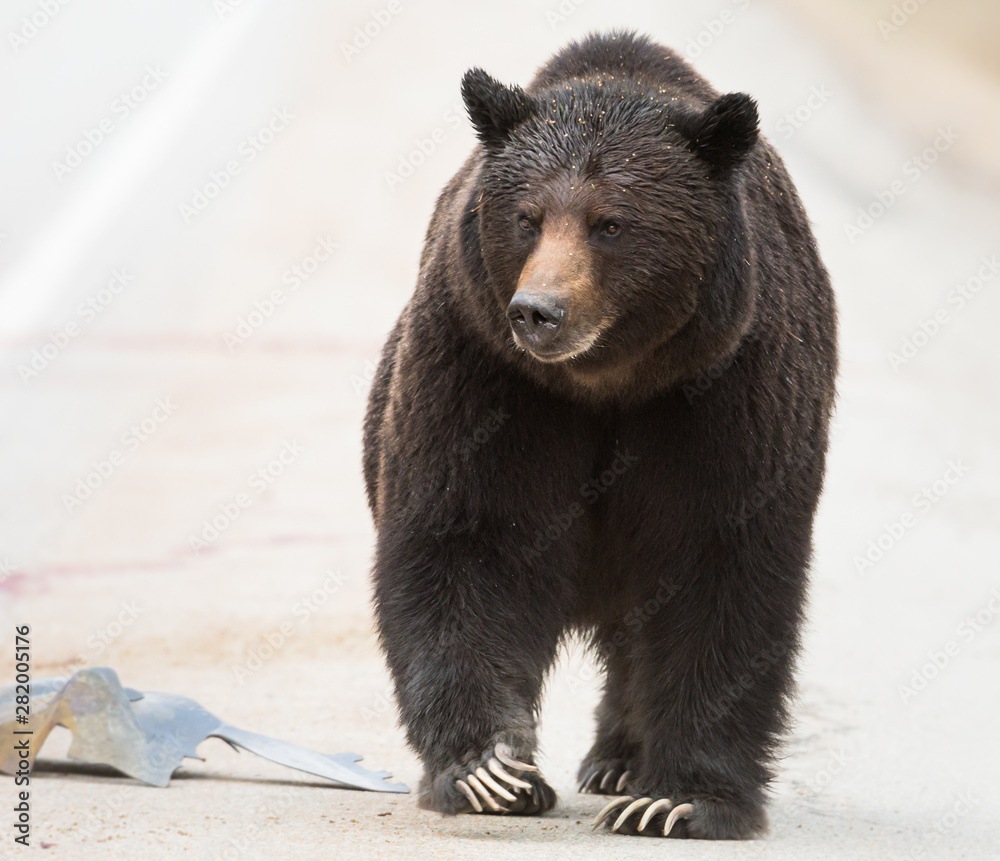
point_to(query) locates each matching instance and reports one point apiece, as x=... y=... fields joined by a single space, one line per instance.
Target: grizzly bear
x=604 y=414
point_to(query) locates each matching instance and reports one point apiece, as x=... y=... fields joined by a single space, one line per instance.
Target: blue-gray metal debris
x=146 y=735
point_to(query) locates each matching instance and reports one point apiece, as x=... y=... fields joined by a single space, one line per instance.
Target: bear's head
x=611 y=227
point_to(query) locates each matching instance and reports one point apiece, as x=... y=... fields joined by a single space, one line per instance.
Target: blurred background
x=212 y=214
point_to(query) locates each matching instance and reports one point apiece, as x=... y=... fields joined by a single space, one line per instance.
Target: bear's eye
x=611 y=228
x=525 y=222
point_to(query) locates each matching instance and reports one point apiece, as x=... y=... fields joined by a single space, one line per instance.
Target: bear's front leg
x=712 y=675
x=469 y=632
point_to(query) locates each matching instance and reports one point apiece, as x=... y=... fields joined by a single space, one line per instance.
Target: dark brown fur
x=655 y=493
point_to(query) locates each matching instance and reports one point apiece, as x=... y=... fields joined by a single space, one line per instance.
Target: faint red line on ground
x=40 y=576
x=213 y=343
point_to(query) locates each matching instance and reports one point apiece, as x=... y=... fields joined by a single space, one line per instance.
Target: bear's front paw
x=493 y=783
x=705 y=818
x=605 y=776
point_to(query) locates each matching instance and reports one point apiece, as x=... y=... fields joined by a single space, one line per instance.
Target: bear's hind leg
x=613 y=759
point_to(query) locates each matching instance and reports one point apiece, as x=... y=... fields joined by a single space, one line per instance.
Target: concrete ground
x=150 y=377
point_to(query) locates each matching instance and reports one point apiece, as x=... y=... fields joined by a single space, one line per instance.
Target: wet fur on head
x=669 y=166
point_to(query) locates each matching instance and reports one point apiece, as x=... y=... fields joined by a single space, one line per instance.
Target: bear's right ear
x=494 y=108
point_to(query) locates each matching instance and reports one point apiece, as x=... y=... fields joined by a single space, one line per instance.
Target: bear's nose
x=536 y=318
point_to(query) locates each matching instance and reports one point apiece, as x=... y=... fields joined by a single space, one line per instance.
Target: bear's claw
x=494 y=766
x=481 y=785
x=606 y=777
x=633 y=805
x=503 y=754
x=628 y=811
x=487 y=779
x=466 y=790
x=477 y=785
x=656 y=805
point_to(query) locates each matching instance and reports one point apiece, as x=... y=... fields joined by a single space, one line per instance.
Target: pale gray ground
x=866 y=774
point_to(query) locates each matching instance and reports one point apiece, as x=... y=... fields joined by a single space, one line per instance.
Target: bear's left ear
x=494 y=108
x=724 y=133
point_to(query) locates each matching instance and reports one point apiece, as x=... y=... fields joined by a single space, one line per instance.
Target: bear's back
x=623 y=55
